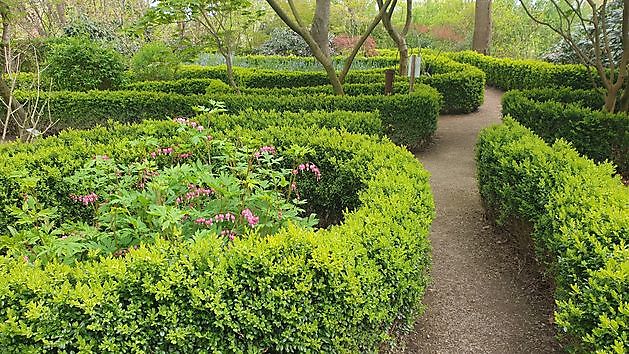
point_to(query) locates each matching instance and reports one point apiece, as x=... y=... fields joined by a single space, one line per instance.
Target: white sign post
x=414 y=70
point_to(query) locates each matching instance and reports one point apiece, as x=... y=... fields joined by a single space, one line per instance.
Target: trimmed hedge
x=407 y=119
x=257 y=78
x=580 y=221
x=335 y=290
x=599 y=135
x=508 y=74
x=462 y=86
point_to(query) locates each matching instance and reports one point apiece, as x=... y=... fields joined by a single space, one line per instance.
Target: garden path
x=485 y=296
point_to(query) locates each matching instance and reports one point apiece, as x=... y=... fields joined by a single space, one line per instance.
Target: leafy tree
x=594 y=21
x=154 y=61
x=225 y=21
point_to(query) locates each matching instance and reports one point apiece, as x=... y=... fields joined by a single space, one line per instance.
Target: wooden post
x=411 y=85
x=389 y=76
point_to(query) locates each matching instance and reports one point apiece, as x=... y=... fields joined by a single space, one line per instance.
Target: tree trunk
x=230 y=70
x=610 y=100
x=5 y=91
x=320 y=28
x=399 y=37
x=482 y=26
x=624 y=101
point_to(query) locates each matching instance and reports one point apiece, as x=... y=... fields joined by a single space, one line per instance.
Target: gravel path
x=485 y=296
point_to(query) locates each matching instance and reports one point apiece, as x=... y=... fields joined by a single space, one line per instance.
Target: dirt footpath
x=485 y=296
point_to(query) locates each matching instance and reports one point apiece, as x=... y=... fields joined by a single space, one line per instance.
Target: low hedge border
x=462 y=86
x=580 y=224
x=508 y=74
x=341 y=289
x=407 y=119
x=559 y=113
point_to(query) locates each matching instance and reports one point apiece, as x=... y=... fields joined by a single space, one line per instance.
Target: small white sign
x=418 y=65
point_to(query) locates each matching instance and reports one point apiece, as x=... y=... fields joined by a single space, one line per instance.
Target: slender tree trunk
x=320 y=28
x=399 y=37
x=482 y=26
x=624 y=101
x=5 y=91
x=610 y=100
x=230 y=69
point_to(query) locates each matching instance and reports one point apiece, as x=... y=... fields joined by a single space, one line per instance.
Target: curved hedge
x=407 y=119
x=559 y=113
x=508 y=74
x=341 y=289
x=580 y=221
x=462 y=86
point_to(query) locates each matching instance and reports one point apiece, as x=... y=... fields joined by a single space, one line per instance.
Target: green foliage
x=340 y=289
x=408 y=119
x=154 y=61
x=461 y=85
x=284 y=41
x=509 y=74
x=42 y=166
x=78 y=64
x=573 y=115
x=580 y=220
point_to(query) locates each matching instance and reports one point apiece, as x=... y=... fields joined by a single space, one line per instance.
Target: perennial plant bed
x=186 y=287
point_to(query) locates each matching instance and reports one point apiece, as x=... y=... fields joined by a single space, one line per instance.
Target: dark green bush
x=580 y=224
x=341 y=289
x=599 y=135
x=154 y=61
x=407 y=119
x=509 y=74
x=78 y=64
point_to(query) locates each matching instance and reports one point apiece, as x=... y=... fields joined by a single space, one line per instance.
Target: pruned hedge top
x=575 y=116
x=407 y=119
x=341 y=289
x=508 y=74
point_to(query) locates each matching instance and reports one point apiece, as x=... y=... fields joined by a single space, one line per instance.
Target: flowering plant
x=204 y=188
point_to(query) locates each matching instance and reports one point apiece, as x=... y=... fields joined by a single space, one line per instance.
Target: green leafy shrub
x=580 y=223
x=509 y=74
x=340 y=289
x=77 y=64
x=407 y=119
x=154 y=61
x=559 y=113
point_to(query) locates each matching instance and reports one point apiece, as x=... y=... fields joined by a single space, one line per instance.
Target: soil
x=486 y=295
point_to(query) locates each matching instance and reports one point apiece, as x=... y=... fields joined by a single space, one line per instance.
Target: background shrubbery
x=78 y=64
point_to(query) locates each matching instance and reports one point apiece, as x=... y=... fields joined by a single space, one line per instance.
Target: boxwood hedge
x=580 y=221
x=407 y=119
x=508 y=74
x=462 y=86
x=566 y=113
x=341 y=289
